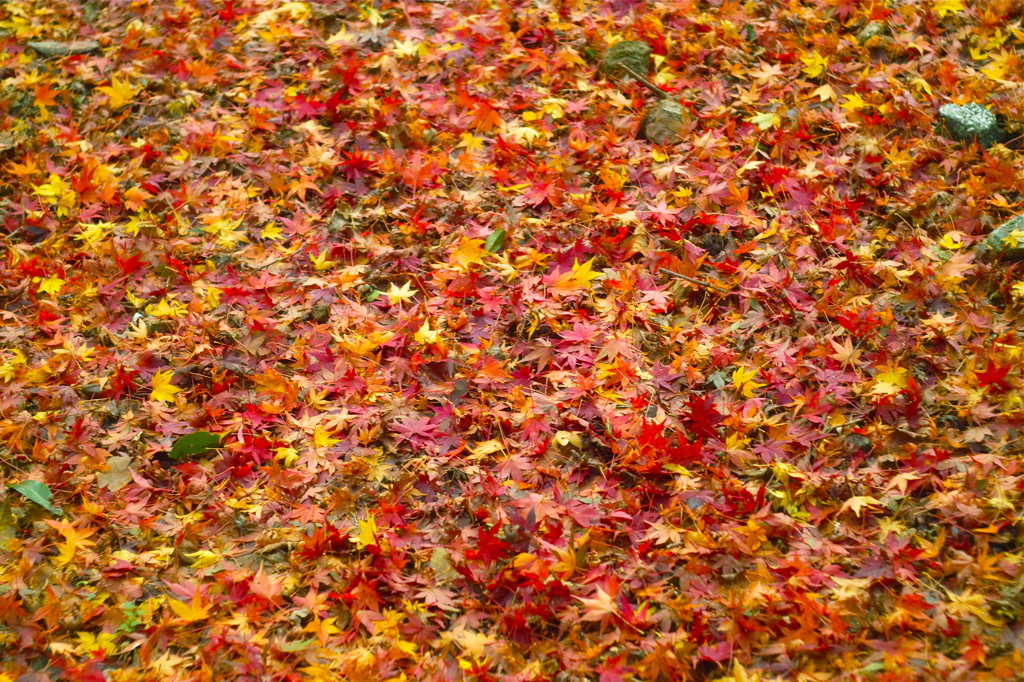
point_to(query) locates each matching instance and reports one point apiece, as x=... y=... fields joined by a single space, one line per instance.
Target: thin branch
x=643 y=81
x=698 y=282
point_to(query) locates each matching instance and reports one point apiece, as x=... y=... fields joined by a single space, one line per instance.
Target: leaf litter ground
x=475 y=384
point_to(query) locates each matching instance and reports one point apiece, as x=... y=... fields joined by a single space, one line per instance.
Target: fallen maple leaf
x=74 y=539
x=192 y=612
x=51 y=285
x=741 y=380
x=859 y=503
x=944 y=7
x=323 y=439
x=600 y=607
x=468 y=252
x=163 y=390
x=367 y=535
x=404 y=293
x=119 y=92
x=425 y=335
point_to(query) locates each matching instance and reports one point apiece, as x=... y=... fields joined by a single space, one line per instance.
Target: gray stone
x=871 y=30
x=663 y=123
x=320 y=313
x=970 y=121
x=55 y=48
x=995 y=246
x=855 y=442
x=633 y=54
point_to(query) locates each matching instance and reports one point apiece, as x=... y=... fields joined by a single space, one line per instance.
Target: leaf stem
x=643 y=81
x=698 y=282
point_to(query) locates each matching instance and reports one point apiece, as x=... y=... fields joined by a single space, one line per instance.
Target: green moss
x=970 y=121
x=632 y=54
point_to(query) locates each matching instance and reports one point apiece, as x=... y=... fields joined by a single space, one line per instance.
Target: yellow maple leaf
x=90 y=644
x=766 y=121
x=192 y=612
x=740 y=674
x=322 y=439
x=53 y=188
x=203 y=558
x=425 y=335
x=91 y=233
x=996 y=70
x=922 y=85
x=468 y=252
x=163 y=390
x=825 y=92
x=944 y=7
x=286 y=456
x=853 y=102
x=367 y=532
x=741 y=380
x=473 y=643
x=224 y=230
x=891 y=381
x=119 y=92
x=361 y=345
x=564 y=438
x=321 y=262
x=167 y=309
x=56 y=191
x=1017 y=290
x=857 y=504
x=271 y=231
x=1013 y=238
x=470 y=142
x=74 y=539
x=583 y=274
x=9 y=367
x=952 y=240
x=850 y=588
x=407 y=48
x=51 y=285
x=970 y=604
x=322 y=628
x=403 y=294
x=814 y=64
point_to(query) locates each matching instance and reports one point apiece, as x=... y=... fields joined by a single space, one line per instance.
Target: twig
x=643 y=81
x=698 y=282
x=274 y=262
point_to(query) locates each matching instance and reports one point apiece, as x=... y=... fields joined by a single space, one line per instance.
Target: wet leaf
x=39 y=493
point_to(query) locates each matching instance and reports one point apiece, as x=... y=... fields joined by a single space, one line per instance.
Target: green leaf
x=39 y=493
x=495 y=241
x=765 y=121
x=8 y=527
x=194 y=444
x=296 y=646
x=460 y=390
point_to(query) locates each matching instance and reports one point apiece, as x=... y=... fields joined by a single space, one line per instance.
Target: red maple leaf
x=685 y=452
x=994 y=375
x=702 y=418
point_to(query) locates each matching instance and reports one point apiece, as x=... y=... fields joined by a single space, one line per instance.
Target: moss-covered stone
x=54 y=48
x=1006 y=242
x=320 y=313
x=663 y=123
x=632 y=54
x=970 y=121
x=871 y=30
